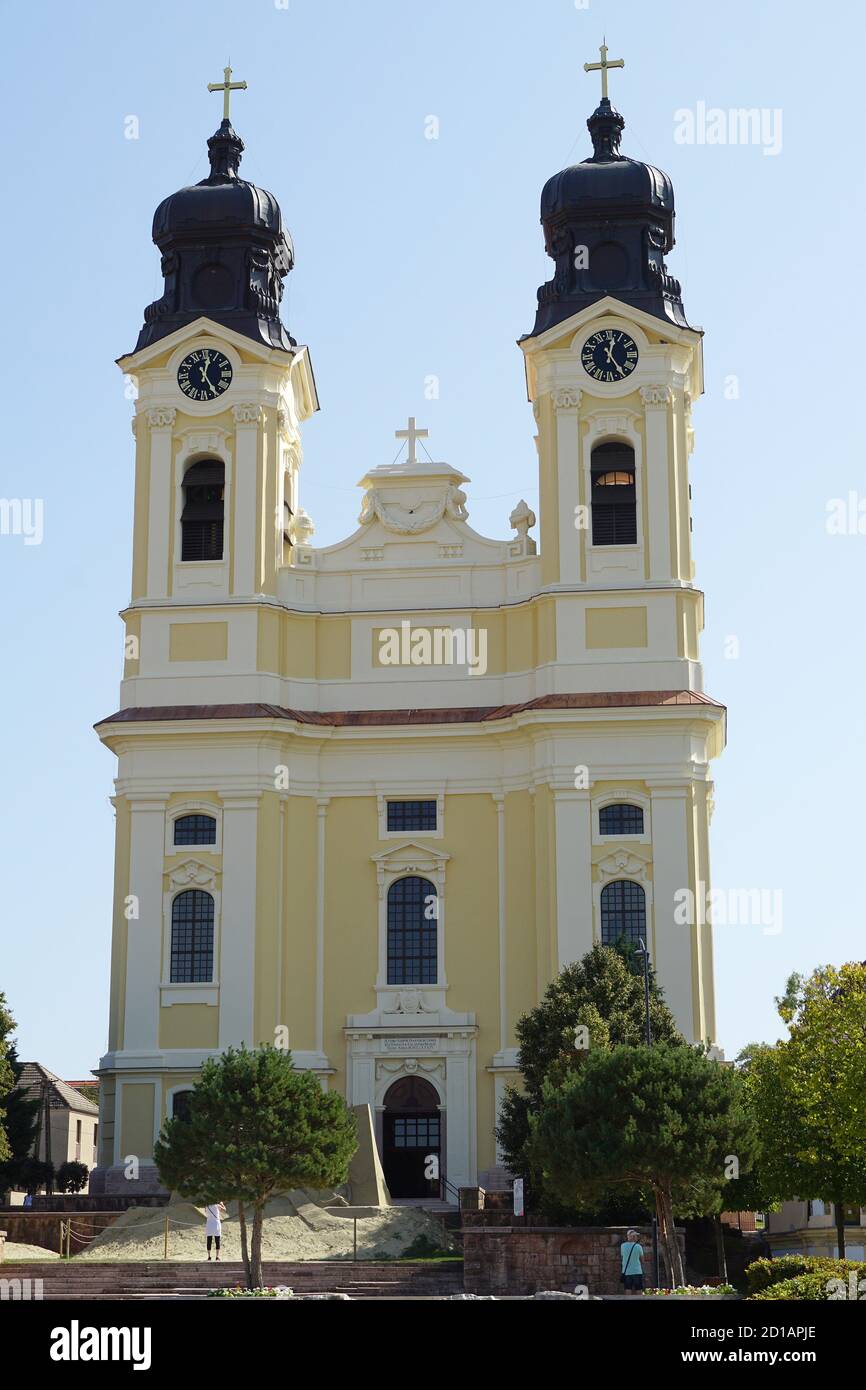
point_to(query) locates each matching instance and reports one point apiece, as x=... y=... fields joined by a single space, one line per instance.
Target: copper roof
x=470 y=714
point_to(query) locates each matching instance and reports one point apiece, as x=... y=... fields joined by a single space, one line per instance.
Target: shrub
x=33 y=1173
x=762 y=1273
x=423 y=1248
x=800 y=1277
x=72 y=1176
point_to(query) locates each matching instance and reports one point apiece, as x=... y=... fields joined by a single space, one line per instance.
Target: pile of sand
x=11 y=1251
x=295 y=1228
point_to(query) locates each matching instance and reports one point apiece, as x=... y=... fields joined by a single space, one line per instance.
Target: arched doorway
x=411 y=1137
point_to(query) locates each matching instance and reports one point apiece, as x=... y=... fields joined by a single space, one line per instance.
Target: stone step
x=363 y=1279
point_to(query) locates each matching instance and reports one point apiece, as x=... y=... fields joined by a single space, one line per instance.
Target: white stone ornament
x=302 y=527
x=568 y=398
x=411 y=1001
x=246 y=414
x=521 y=519
x=655 y=395
x=191 y=872
x=161 y=418
x=409 y=521
x=622 y=862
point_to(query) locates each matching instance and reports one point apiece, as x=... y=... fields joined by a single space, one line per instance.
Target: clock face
x=609 y=355
x=204 y=374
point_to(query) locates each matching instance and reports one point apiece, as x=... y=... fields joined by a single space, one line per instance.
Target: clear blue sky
x=414 y=257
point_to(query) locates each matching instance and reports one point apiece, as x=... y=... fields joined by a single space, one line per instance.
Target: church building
x=371 y=797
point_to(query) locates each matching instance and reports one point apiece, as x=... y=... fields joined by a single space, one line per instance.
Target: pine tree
x=603 y=995
x=256 y=1127
x=664 y=1117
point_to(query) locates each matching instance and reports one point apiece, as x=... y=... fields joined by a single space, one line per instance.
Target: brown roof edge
x=480 y=714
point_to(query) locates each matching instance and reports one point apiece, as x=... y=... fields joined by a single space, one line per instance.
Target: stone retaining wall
x=28 y=1227
x=524 y=1260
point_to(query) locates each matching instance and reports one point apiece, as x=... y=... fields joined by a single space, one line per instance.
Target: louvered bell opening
x=203 y=513
x=614 y=501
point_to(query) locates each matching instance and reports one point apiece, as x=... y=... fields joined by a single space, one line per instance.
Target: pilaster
x=237 y=947
x=159 y=521
x=144 y=924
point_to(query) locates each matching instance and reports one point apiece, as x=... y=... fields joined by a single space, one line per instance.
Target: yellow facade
x=384 y=865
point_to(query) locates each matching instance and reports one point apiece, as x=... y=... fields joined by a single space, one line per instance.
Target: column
x=460 y=1117
x=673 y=945
x=573 y=831
x=144 y=930
x=237 y=935
x=159 y=518
x=361 y=1073
x=567 y=405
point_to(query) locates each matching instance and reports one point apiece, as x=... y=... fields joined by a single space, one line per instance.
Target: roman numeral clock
x=204 y=374
x=609 y=355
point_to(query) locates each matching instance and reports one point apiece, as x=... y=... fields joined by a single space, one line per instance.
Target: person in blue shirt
x=631 y=1258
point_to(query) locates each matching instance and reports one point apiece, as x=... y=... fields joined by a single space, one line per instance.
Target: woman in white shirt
x=214 y=1226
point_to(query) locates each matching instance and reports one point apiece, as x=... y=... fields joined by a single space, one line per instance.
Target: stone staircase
x=89 y=1281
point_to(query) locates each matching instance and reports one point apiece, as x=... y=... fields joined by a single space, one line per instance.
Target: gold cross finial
x=603 y=66
x=226 y=87
x=411 y=434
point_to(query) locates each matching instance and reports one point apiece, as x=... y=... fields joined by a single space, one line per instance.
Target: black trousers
x=217 y=1239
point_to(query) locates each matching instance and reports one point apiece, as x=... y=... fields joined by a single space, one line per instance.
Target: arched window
x=620 y=819
x=623 y=912
x=192 y=917
x=201 y=521
x=614 y=508
x=180 y=1105
x=412 y=917
x=195 y=830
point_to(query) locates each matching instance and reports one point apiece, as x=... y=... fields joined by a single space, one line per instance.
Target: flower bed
x=237 y=1292
x=693 y=1291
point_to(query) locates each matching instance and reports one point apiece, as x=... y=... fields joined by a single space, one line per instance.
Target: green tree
x=664 y=1117
x=7 y=1075
x=33 y=1173
x=22 y=1113
x=603 y=994
x=256 y=1127
x=810 y=1092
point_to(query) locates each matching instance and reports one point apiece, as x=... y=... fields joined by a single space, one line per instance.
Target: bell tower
x=223 y=389
x=612 y=369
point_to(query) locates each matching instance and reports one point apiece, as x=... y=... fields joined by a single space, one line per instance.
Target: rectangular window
x=416 y=1132
x=411 y=815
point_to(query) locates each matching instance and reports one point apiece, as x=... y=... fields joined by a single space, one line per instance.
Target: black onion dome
x=608 y=224
x=225 y=253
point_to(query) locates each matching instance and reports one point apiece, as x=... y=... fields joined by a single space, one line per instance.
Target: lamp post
x=644 y=954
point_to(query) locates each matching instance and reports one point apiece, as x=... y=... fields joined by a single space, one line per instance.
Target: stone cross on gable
x=411 y=434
